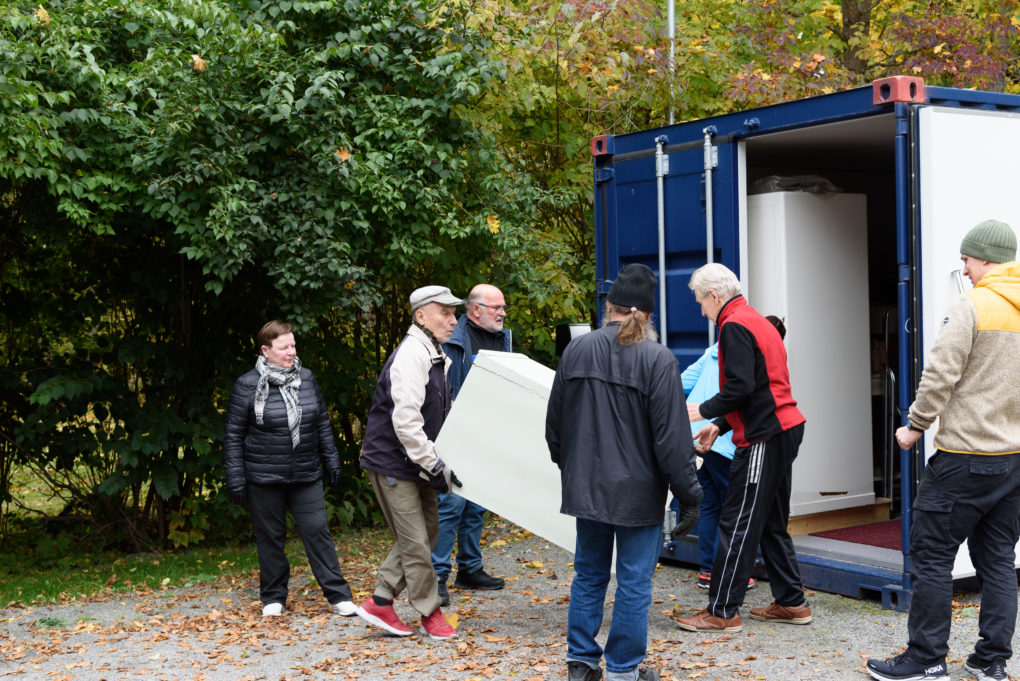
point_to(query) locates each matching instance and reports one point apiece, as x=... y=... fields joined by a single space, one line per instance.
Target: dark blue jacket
x=458 y=349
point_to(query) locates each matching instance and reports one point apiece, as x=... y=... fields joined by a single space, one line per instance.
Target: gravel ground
x=217 y=633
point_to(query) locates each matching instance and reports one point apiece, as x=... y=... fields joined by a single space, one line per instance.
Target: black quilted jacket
x=263 y=454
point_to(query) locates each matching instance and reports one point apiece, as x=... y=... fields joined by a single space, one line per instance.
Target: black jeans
x=269 y=504
x=961 y=497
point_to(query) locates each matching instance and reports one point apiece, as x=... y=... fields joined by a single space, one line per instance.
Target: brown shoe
x=797 y=614
x=706 y=621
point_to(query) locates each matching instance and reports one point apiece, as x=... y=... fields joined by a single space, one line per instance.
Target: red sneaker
x=383 y=616
x=436 y=626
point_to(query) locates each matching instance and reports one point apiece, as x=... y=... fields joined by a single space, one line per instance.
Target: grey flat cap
x=433 y=294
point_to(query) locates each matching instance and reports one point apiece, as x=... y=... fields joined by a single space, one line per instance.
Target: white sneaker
x=344 y=608
x=272 y=610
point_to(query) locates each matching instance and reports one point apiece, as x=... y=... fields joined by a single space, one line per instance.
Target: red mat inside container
x=885 y=534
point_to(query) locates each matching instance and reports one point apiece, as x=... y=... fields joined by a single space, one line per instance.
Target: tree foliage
x=818 y=46
x=175 y=173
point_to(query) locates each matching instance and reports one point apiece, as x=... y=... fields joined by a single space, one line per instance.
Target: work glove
x=333 y=477
x=238 y=497
x=441 y=477
x=686 y=519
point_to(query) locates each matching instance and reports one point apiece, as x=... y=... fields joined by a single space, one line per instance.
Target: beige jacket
x=409 y=381
x=972 y=378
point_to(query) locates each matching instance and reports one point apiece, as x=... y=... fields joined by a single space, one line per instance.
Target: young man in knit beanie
x=970 y=488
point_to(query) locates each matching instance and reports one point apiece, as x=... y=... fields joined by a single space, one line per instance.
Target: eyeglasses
x=498 y=308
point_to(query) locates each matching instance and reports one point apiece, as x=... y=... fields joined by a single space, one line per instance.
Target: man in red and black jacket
x=755 y=401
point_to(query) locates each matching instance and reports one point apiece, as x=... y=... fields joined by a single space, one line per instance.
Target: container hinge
x=661 y=158
x=603 y=175
x=711 y=151
x=663 y=169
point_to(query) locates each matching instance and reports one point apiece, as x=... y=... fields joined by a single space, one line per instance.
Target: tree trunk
x=856 y=24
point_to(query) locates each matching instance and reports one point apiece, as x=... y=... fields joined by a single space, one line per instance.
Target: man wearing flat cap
x=617 y=429
x=970 y=487
x=398 y=453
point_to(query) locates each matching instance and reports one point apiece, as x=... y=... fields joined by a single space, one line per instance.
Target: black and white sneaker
x=991 y=671
x=902 y=668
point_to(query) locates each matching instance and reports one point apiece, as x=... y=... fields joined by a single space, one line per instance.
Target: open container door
x=969 y=165
x=626 y=197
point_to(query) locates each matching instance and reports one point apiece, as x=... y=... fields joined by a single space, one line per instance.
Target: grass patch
x=28 y=580
x=34 y=497
x=22 y=582
x=51 y=623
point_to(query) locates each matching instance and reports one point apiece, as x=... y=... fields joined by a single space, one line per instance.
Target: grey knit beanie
x=991 y=240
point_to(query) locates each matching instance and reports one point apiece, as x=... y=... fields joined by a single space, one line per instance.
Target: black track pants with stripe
x=755 y=513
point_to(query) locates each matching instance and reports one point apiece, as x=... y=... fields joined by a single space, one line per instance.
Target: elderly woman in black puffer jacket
x=278 y=436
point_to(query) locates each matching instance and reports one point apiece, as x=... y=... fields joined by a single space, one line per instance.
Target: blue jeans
x=637 y=552
x=462 y=520
x=714 y=476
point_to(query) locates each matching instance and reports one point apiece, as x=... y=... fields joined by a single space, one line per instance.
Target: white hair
x=714 y=277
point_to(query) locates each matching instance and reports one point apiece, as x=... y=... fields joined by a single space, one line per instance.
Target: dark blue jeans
x=637 y=552
x=961 y=497
x=714 y=476
x=460 y=520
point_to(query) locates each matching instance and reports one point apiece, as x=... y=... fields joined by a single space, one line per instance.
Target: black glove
x=333 y=477
x=686 y=519
x=238 y=497
x=440 y=478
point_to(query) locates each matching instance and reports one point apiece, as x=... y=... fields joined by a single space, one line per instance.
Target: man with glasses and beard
x=460 y=520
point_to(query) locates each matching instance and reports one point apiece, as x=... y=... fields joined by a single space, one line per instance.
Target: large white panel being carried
x=494 y=440
x=954 y=196
x=808 y=264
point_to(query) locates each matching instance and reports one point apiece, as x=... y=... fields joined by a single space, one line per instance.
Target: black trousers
x=755 y=513
x=971 y=497
x=269 y=505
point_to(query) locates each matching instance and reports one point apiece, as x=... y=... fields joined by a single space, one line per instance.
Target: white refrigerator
x=808 y=264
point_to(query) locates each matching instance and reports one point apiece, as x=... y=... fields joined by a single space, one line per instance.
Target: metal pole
x=661 y=170
x=711 y=161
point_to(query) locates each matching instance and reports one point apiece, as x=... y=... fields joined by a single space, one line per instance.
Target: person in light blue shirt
x=701 y=381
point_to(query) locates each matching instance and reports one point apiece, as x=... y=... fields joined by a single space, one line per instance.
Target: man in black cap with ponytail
x=617 y=428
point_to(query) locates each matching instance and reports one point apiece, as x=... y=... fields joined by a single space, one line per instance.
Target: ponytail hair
x=634 y=327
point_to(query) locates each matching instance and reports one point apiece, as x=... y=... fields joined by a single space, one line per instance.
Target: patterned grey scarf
x=289 y=382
